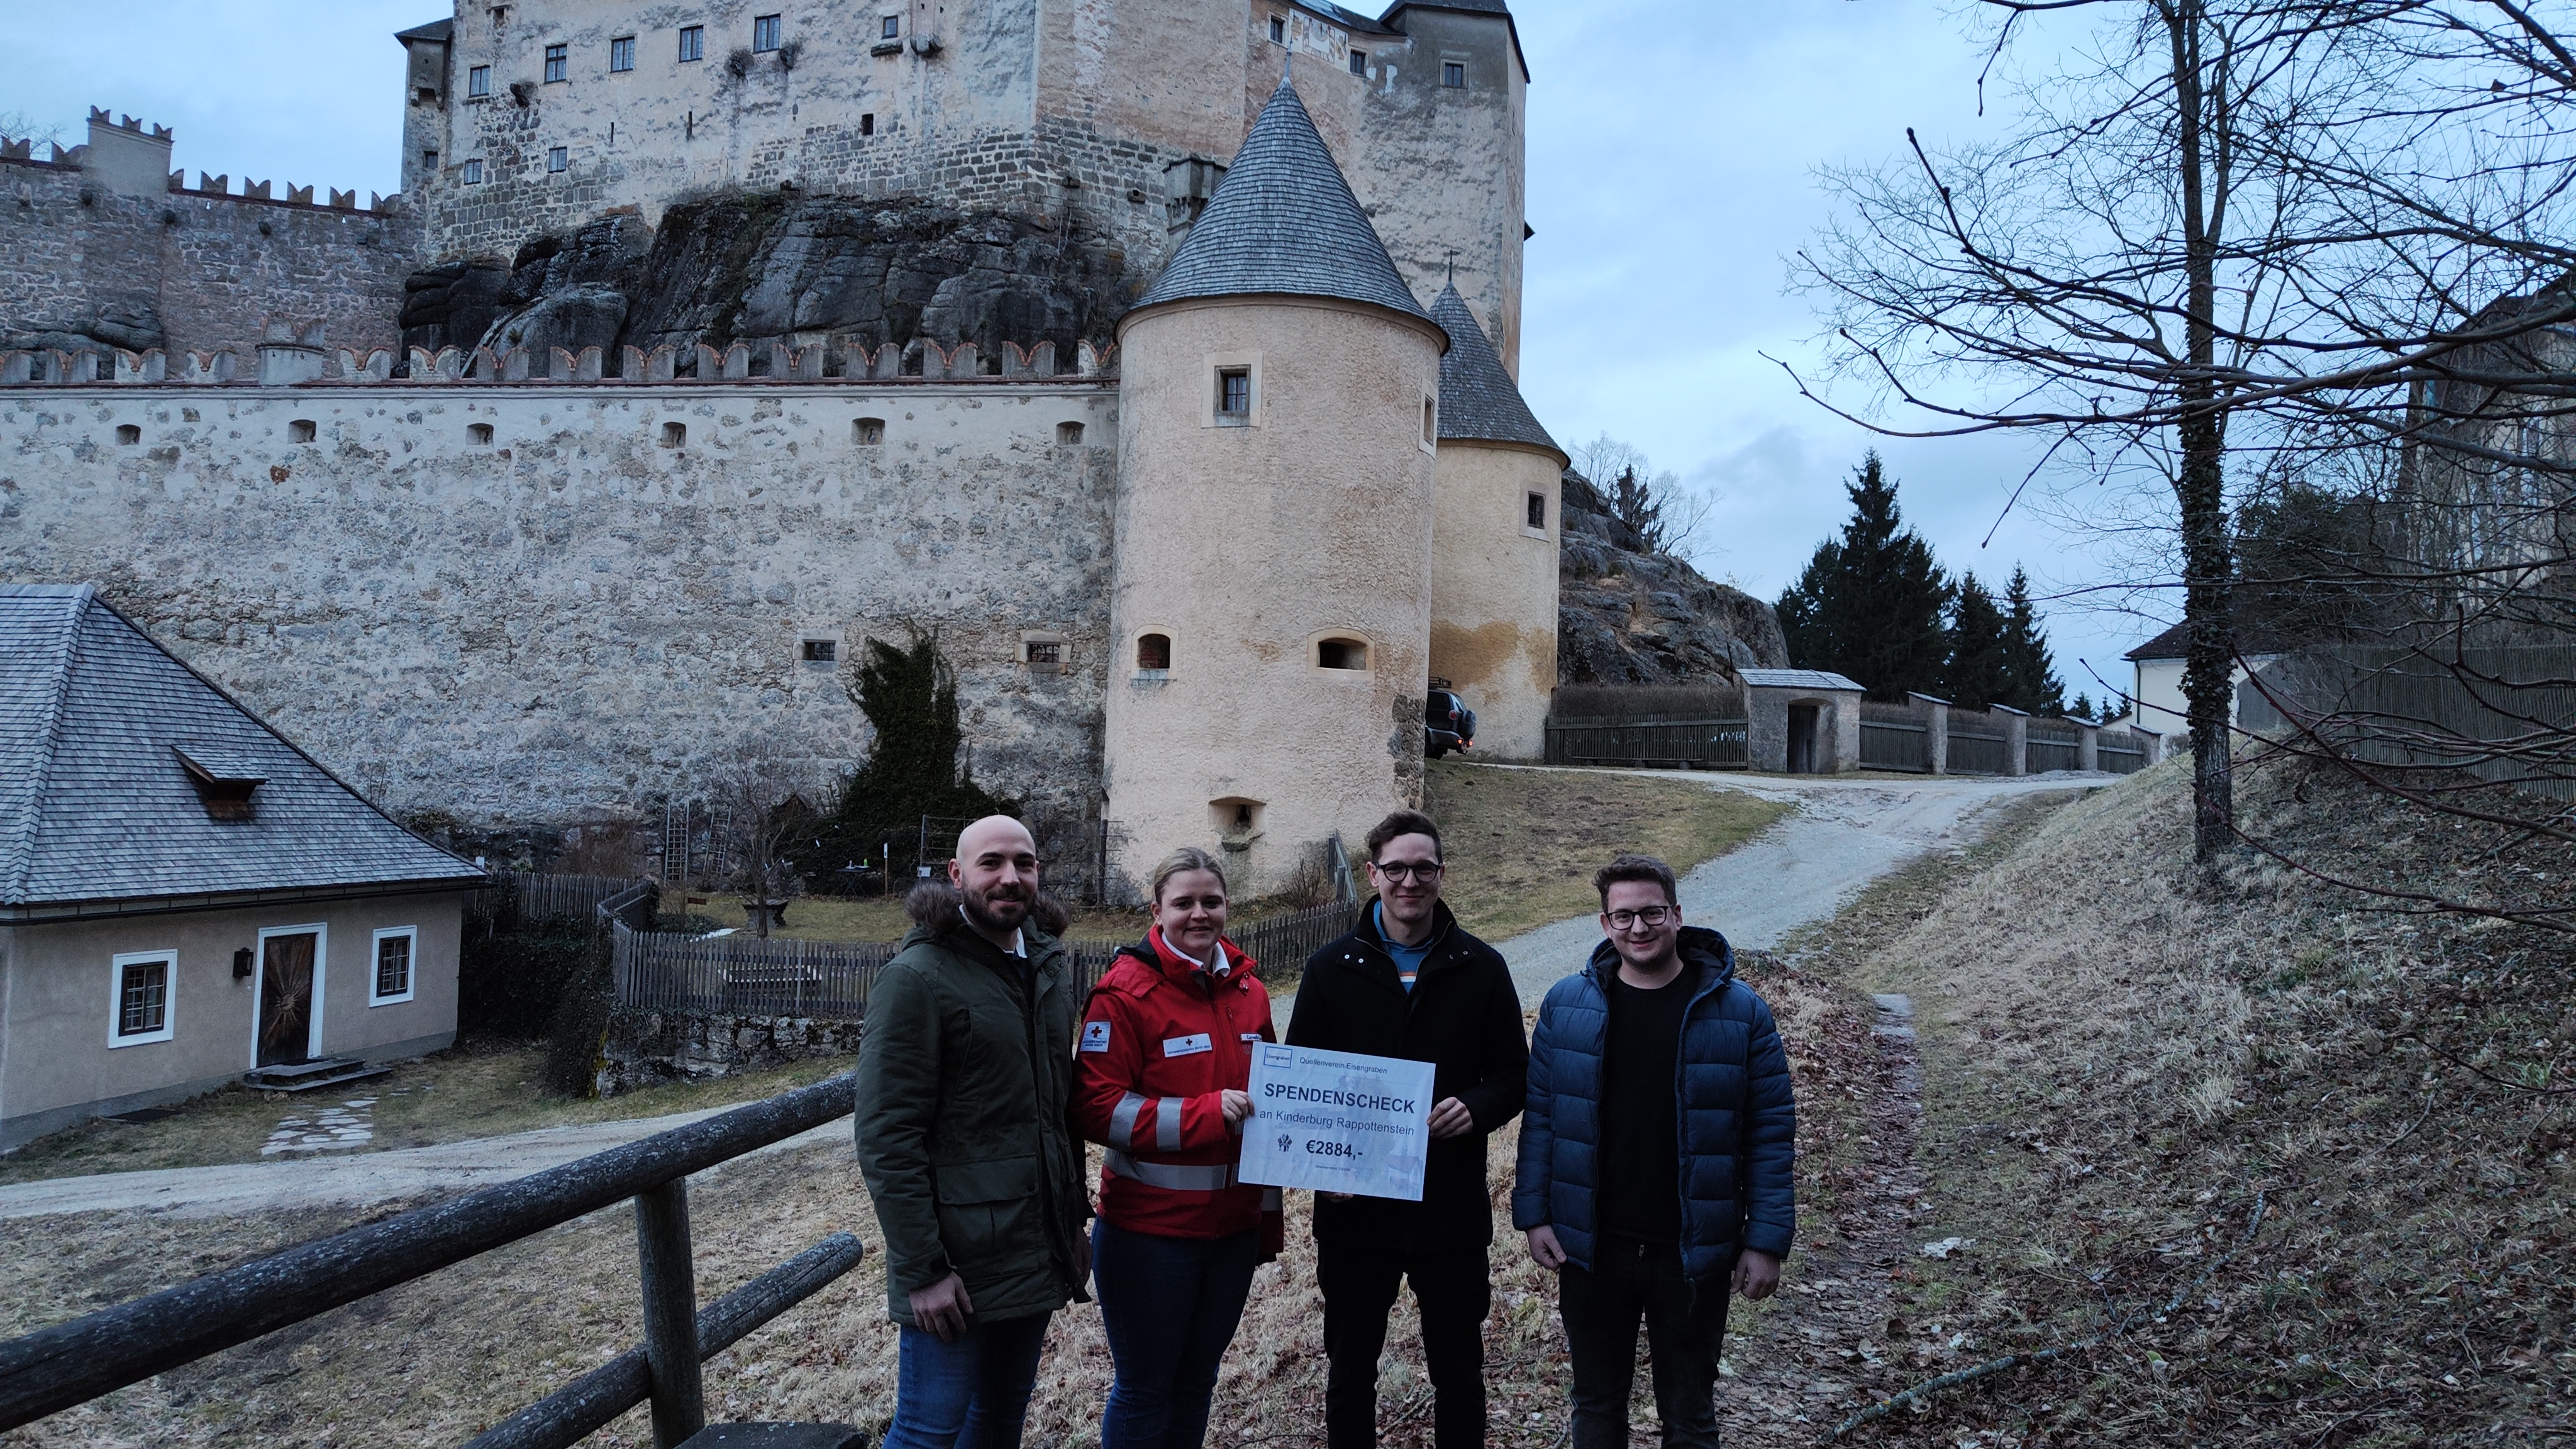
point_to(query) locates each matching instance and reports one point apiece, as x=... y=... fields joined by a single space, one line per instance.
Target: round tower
x=1493 y=544
x=1278 y=432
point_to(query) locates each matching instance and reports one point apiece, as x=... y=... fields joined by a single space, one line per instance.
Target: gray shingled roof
x=1478 y=399
x=96 y=804
x=1795 y=679
x=434 y=30
x=1284 y=221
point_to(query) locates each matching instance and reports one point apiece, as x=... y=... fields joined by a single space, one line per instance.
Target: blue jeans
x=1169 y=1306
x=971 y=1394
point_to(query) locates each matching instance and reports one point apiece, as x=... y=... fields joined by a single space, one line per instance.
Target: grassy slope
x=1522 y=844
x=2118 y=1058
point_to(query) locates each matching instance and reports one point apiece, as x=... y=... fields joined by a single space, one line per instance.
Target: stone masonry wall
x=82 y=265
x=570 y=620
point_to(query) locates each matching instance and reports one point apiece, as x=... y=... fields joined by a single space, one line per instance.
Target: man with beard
x=963 y=1083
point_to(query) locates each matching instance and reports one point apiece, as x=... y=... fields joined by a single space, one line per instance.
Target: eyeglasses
x=1399 y=869
x=1650 y=916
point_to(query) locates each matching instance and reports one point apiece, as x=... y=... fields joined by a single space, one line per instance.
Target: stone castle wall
x=565 y=619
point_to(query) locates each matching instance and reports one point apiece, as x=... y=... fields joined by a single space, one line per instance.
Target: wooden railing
x=52 y=1369
x=1689 y=744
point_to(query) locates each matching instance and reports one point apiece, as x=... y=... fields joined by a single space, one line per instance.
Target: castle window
x=299 y=430
x=1068 y=433
x=142 y=1009
x=890 y=28
x=1153 y=653
x=1453 y=74
x=429 y=160
x=1278 y=30
x=478 y=81
x=479 y=434
x=675 y=434
x=821 y=651
x=474 y=172
x=1538 y=512
x=764 y=32
x=1430 y=423
x=1359 y=62
x=867 y=123
x=127 y=435
x=693 y=42
x=621 y=53
x=867 y=432
x=558 y=64
x=1042 y=652
x=1341 y=654
x=558 y=159
x=1234 y=393
x=500 y=18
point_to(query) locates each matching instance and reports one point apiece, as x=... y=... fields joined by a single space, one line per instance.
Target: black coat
x=1462 y=1016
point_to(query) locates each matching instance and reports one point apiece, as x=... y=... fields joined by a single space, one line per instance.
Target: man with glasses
x=1407 y=981
x=1656 y=1160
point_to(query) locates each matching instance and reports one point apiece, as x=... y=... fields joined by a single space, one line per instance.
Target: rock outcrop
x=765 y=268
x=1626 y=616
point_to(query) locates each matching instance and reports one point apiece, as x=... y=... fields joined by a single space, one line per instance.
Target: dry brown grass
x=2120 y=1055
x=1522 y=844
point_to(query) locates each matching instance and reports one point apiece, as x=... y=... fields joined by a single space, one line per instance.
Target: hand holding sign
x=1338 y=1122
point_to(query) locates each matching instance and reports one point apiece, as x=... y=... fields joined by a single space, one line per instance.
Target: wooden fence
x=2504 y=714
x=743 y=975
x=1978 y=747
x=1895 y=739
x=2052 y=745
x=2119 y=752
x=538 y=897
x=1688 y=744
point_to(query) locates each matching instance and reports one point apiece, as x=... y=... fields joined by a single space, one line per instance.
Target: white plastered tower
x=1271 y=601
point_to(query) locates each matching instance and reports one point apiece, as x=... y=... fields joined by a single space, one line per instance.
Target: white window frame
x=169 y=961
x=375 y=965
x=478 y=83
x=320 y=931
x=1215 y=366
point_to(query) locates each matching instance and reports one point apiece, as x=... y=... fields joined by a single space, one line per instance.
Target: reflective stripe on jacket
x=1161 y=1042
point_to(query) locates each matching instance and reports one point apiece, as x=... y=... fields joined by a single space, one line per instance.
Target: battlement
x=133 y=158
x=294 y=354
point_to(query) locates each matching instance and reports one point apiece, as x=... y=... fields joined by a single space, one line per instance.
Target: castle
x=1162 y=363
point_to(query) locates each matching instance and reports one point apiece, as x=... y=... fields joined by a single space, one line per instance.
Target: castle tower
x=1271 y=600
x=1494 y=537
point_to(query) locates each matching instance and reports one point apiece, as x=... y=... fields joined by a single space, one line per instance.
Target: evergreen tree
x=1870 y=605
x=910 y=696
x=2031 y=682
x=2082 y=709
x=1979 y=673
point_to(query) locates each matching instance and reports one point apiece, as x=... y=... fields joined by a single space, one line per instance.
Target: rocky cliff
x=1626 y=616
x=765 y=268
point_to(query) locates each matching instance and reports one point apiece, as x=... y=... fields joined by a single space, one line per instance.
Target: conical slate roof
x=1478 y=399
x=1284 y=220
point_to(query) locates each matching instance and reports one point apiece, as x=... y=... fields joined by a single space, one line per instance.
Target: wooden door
x=1802 y=739
x=286 y=999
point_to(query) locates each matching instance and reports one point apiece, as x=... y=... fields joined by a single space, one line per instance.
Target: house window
x=558 y=66
x=474 y=172
x=1067 y=434
x=821 y=651
x=764 y=32
x=868 y=123
x=693 y=42
x=890 y=28
x=1341 y=654
x=1453 y=74
x=1538 y=511
x=479 y=434
x=558 y=159
x=478 y=81
x=1234 y=393
x=299 y=430
x=867 y=432
x=675 y=435
x=1359 y=62
x=429 y=160
x=621 y=53
x=128 y=434
x=394 y=947
x=1154 y=652
x=141 y=1010
x=1278 y=30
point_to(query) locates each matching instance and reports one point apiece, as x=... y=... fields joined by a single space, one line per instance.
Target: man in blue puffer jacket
x=1656 y=1156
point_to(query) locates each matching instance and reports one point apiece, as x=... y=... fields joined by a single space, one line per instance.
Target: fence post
x=2088 y=747
x=1936 y=738
x=670 y=1312
x=2016 y=738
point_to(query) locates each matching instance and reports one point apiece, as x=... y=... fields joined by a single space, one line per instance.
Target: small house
x=185 y=896
x=2155 y=691
x=1801 y=721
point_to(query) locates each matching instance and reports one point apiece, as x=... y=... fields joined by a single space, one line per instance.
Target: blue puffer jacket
x=1738 y=1121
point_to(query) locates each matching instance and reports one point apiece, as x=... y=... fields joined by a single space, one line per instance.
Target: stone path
x=329 y=1129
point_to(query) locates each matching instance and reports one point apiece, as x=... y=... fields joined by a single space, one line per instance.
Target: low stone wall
x=646 y=1048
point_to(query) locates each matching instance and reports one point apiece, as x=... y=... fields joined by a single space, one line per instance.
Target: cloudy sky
x=1673 y=145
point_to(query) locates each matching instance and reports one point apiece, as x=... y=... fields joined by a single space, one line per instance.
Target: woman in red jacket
x=1160 y=1082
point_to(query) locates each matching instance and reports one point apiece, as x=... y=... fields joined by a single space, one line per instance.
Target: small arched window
x=867 y=432
x=1154 y=651
x=675 y=435
x=300 y=430
x=1068 y=434
x=128 y=434
x=479 y=434
x=1341 y=654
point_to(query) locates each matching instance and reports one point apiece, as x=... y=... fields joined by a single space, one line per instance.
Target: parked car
x=1447 y=723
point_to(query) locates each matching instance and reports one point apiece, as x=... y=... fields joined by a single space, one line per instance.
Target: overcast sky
x=1672 y=146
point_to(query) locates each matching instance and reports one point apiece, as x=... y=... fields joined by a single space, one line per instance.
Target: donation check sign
x=1338 y=1122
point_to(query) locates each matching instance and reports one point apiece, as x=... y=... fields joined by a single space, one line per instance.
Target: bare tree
x=27 y=126
x=2247 y=233
x=770 y=794
x=1665 y=514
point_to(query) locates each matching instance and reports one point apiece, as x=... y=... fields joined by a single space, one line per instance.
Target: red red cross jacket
x=1162 y=1041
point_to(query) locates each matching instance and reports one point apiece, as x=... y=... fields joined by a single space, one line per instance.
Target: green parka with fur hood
x=964 y=1077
